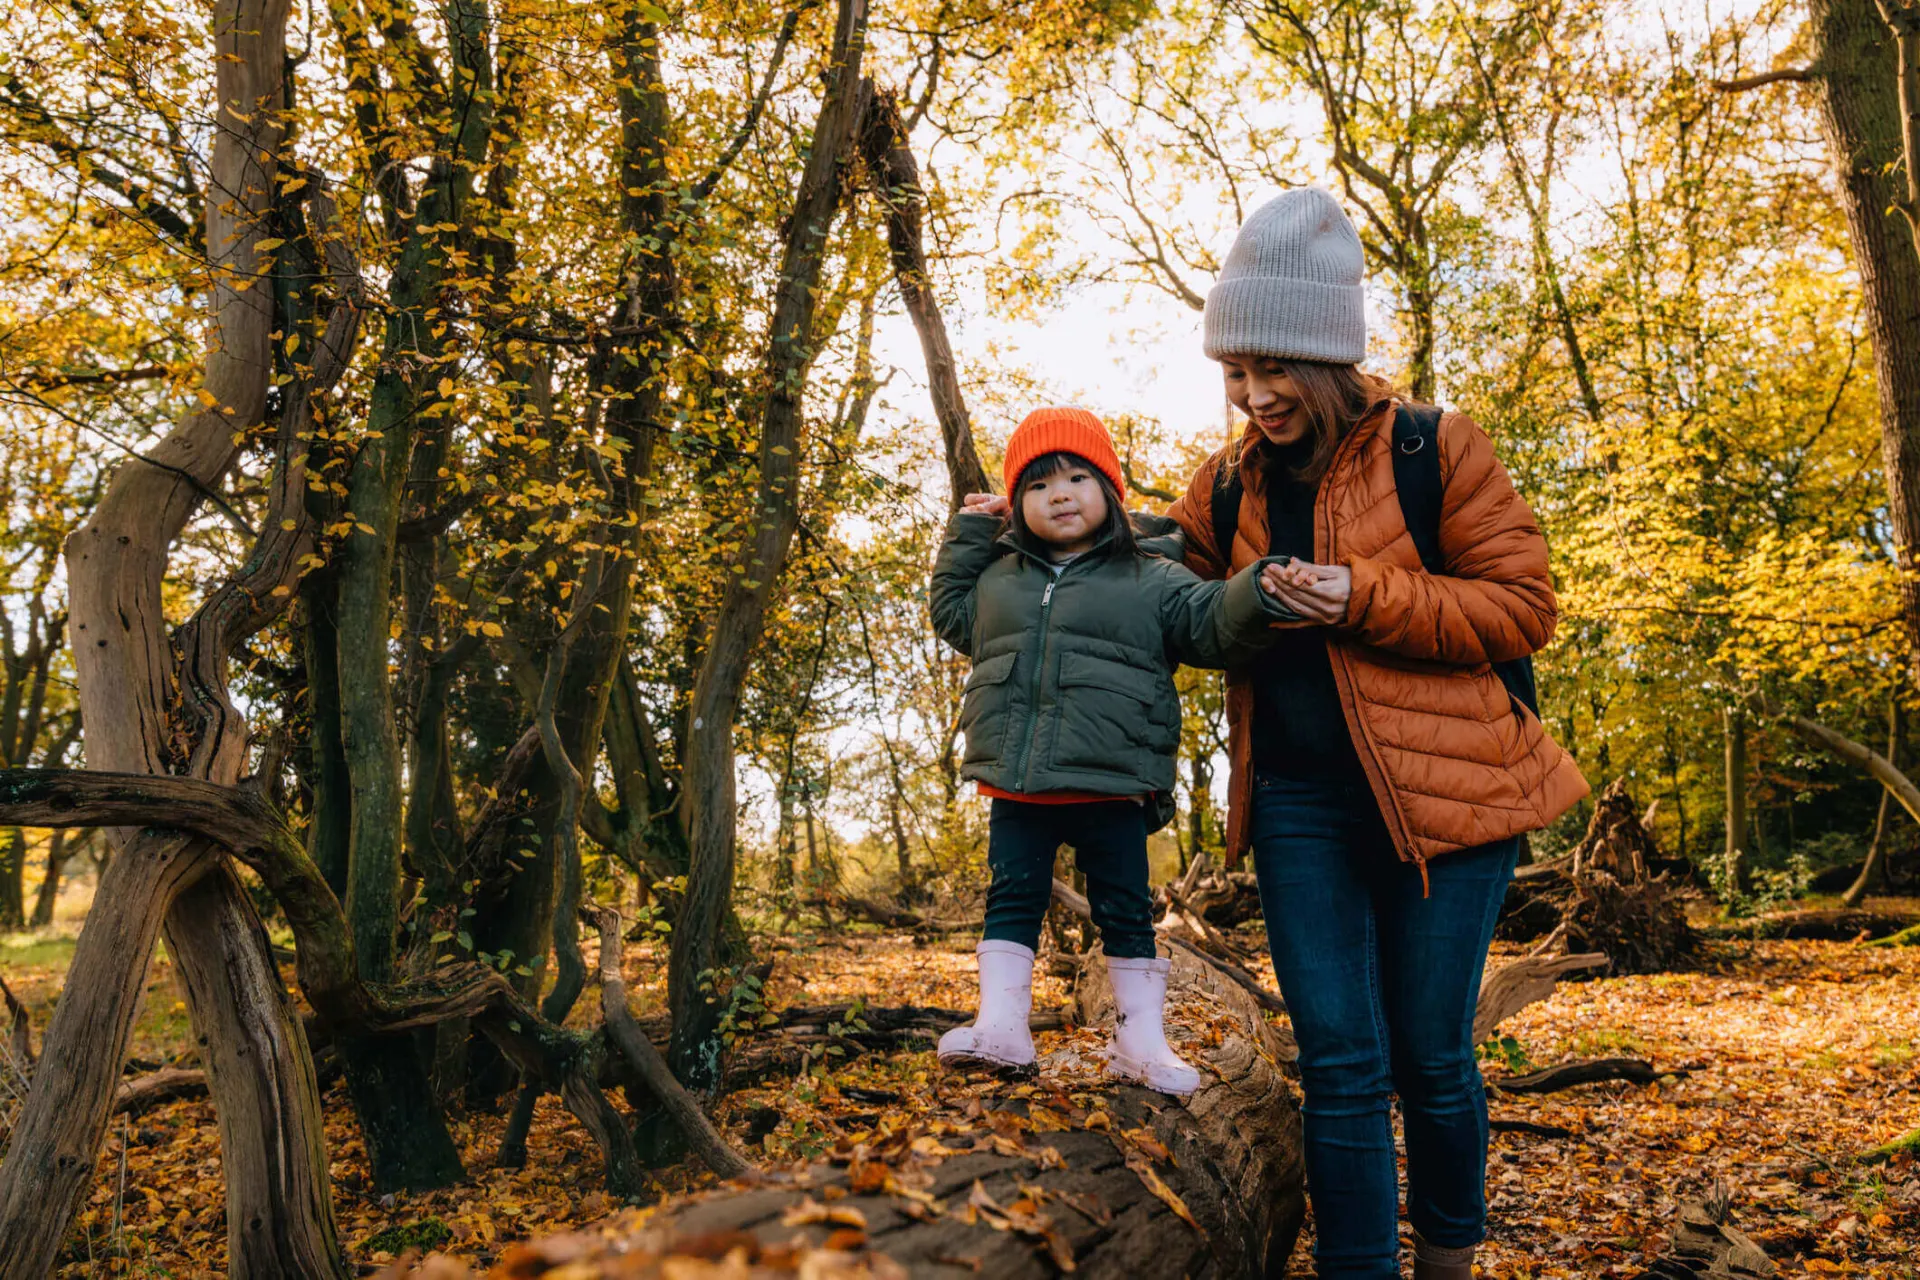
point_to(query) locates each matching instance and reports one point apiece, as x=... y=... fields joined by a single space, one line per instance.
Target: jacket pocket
x=983 y=708
x=1113 y=717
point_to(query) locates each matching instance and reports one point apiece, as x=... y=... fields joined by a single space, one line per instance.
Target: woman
x=1382 y=773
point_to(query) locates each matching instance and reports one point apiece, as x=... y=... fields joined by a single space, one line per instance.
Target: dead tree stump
x=1606 y=896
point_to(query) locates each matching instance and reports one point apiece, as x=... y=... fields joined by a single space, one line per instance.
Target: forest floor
x=1788 y=1058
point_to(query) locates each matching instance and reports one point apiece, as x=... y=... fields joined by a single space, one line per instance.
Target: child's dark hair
x=1116 y=534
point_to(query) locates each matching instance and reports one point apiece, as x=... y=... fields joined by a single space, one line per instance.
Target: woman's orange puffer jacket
x=1454 y=760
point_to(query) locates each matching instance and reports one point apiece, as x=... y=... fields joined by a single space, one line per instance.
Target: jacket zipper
x=1039 y=674
x=1343 y=677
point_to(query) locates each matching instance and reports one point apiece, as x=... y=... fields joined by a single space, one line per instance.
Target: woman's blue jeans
x=1380 y=983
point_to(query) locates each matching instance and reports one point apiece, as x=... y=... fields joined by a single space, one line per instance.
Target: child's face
x=1066 y=510
x=1260 y=388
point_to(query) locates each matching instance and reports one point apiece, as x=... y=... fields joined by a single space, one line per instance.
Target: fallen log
x=143 y=1092
x=1592 y=1071
x=1829 y=925
x=1610 y=894
x=803 y=1030
x=1077 y=1171
x=888 y=916
x=625 y=1034
x=1908 y=937
x=1222 y=898
x=1511 y=988
x=886 y=1026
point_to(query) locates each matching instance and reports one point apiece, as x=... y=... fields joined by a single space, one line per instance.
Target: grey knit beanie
x=1291 y=284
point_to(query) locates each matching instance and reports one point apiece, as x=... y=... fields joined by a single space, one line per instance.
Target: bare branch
x=704 y=188
x=896 y=178
x=157 y=214
x=46 y=380
x=1791 y=75
x=1883 y=770
x=625 y=1034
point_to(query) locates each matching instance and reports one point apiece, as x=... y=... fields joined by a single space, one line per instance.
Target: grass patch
x=1906 y=1144
x=427 y=1233
x=36 y=950
x=1892 y=1054
x=1825 y=1060
x=1605 y=1042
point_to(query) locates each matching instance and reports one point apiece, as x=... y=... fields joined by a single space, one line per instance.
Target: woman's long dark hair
x=1117 y=532
x=1336 y=398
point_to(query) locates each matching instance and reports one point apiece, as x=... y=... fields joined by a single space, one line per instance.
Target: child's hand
x=1317 y=592
x=986 y=504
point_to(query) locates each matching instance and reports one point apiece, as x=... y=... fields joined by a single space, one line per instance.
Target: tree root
x=1594 y=1071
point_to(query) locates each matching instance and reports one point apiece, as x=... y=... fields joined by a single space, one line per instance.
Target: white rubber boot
x=1140 y=1049
x=999 y=1036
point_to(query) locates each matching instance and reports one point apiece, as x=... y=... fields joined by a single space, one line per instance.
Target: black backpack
x=1416 y=475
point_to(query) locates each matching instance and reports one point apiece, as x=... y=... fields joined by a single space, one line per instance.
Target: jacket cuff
x=1366 y=573
x=1248 y=603
x=1271 y=610
x=971 y=526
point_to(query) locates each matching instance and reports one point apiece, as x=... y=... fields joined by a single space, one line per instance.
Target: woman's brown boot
x=1431 y=1262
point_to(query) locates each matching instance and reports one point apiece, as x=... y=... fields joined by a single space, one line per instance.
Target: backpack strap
x=1416 y=476
x=1224 y=507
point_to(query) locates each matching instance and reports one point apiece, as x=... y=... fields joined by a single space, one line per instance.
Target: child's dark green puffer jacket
x=1072 y=685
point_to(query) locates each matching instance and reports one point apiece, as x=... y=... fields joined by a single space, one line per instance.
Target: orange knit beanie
x=1072 y=431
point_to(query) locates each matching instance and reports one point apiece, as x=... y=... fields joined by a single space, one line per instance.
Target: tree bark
x=49 y=894
x=1212 y=1186
x=327 y=773
x=1734 y=851
x=896 y=174
x=13 y=878
x=152 y=712
x=241 y=1019
x=50 y=1159
x=1856 y=69
x=708 y=795
x=1874 y=866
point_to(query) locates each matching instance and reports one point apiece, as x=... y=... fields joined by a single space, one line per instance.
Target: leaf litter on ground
x=1801 y=1056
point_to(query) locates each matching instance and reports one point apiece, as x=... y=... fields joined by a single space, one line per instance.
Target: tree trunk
x=50 y=1159
x=327 y=774
x=1874 y=867
x=13 y=878
x=1200 y=800
x=50 y=883
x=1735 y=850
x=407 y=1137
x=1856 y=70
x=708 y=795
x=262 y=1080
x=902 y=854
x=152 y=712
x=1418 y=285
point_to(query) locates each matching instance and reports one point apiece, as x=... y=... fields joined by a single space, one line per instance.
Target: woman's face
x=1259 y=387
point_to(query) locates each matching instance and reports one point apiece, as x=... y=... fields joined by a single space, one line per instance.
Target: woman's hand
x=986 y=504
x=1317 y=592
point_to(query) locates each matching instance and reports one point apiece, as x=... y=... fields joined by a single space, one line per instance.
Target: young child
x=1072 y=721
